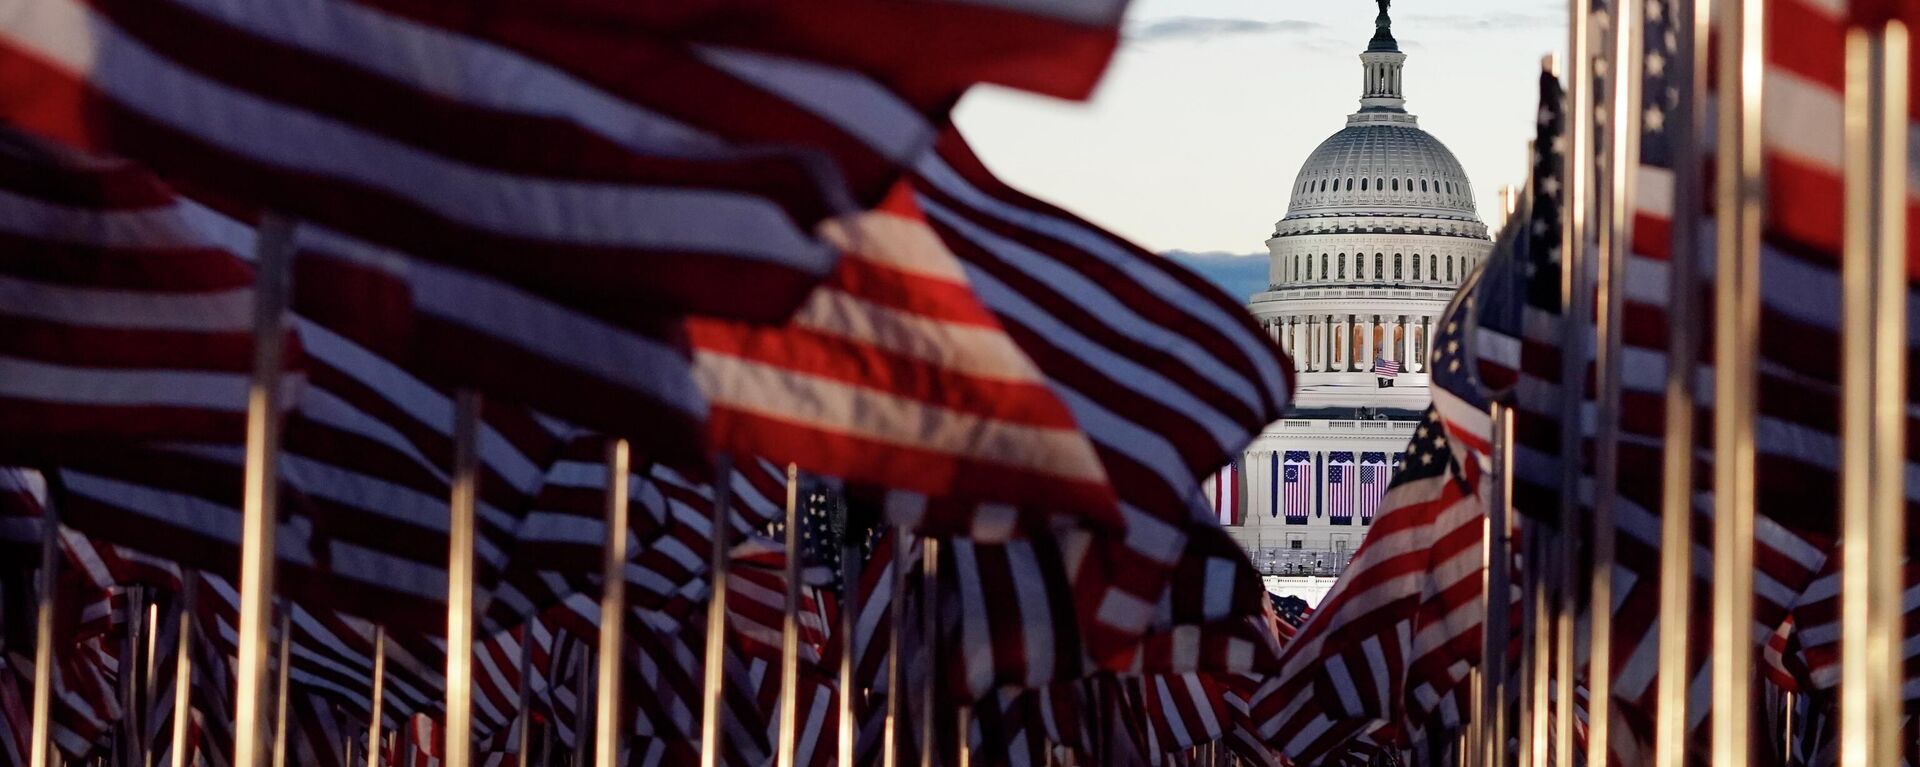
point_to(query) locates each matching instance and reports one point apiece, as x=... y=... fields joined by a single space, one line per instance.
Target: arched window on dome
x=1433 y=268
x=1409 y=185
x=1340 y=267
x=1423 y=185
x=1396 y=267
x=1396 y=185
x=1379 y=266
x=1416 y=266
x=1449 y=268
x=1323 y=266
x=1363 y=185
x=1377 y=185
x=1349 y=183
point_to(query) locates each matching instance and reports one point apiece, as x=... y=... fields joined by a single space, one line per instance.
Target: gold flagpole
x=896 y=666
x=613 y=607
x=1735 y=348
x=280 y=686
x=1691 y=25
x=523 y=724
x=929 y=644
x=789 y=738
x=1621 y=165
x=379 y=695
x=1873 y=395
x=183 y=670
x=260 y=489
x=714 y=691
x=1576 y=309
x=1540 y=612
x=963 y=724
x=1492 y=744
x=849 y=617
x=466 y=480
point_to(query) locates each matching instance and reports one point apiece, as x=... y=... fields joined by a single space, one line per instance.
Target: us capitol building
x=1380 y=230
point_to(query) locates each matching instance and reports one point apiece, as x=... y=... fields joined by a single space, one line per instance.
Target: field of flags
x=408 y=382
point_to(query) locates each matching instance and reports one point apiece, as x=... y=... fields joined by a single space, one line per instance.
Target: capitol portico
x=1380 y=230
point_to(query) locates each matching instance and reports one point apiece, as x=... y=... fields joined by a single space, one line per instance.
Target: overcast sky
x=1211 y=106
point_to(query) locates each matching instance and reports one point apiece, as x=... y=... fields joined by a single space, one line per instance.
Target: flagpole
x=1735 y=349
x=896 y=666
x=584 y=718
x=1873 y=394
x=714 y=690
x=613 y=606
x=789 y=724
x=129 y=724
x=260 y=488
x=280 y=686
x=1683 y=347
x=849 y=616
x=1498 y=586
x=1615 y=248
x=466 y=480
x=1576 y=308
x=1530 y=697
x=379 y=695
x=929 y=644
x=183 y=669
x=1540 y=611
x=524 y=722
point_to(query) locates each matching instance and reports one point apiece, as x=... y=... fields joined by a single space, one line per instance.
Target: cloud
x=1203 y=28
x=1239 y=274
x=1487 y=22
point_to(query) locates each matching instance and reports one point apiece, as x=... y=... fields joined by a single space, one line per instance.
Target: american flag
x=1340 y=487
x=1374 y=477
x=1296 y=486
x=1408 y=603
x=1223 y=495
x=1386 y=368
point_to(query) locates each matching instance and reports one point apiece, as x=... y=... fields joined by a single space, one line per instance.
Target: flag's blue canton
x=1541 y=262
x=1659 y=91
x=1447 y=362
x=1427 y=454
x=1293 y=474
x=1366 y=475
x=1335 y=473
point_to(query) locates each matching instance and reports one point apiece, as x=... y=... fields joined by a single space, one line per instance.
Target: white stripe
x=97 y=307
x=1176 y=294
x=829 y=405
x=1093 y=298
x=35 y=380
x=73 y=38
x=852 y=102
x=971 y=350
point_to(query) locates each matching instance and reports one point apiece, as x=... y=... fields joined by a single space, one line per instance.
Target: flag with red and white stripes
x=647 y=194
x=1411 y=592
x=123 y=319
x=1373 y=481
x=1223 y=495
x=894 y=372
x=1340 y=487
x=1296 y=480
x=1169 y=376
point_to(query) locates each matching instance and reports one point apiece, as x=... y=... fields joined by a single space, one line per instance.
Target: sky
x=1193 y=138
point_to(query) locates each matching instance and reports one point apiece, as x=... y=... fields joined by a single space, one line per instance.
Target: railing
x=1279 y=561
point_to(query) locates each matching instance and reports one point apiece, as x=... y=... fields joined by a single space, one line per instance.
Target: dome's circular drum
x=1393 y=169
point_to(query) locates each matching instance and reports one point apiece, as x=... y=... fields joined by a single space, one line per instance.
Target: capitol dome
x=1378 y=167
x=1380 y=229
